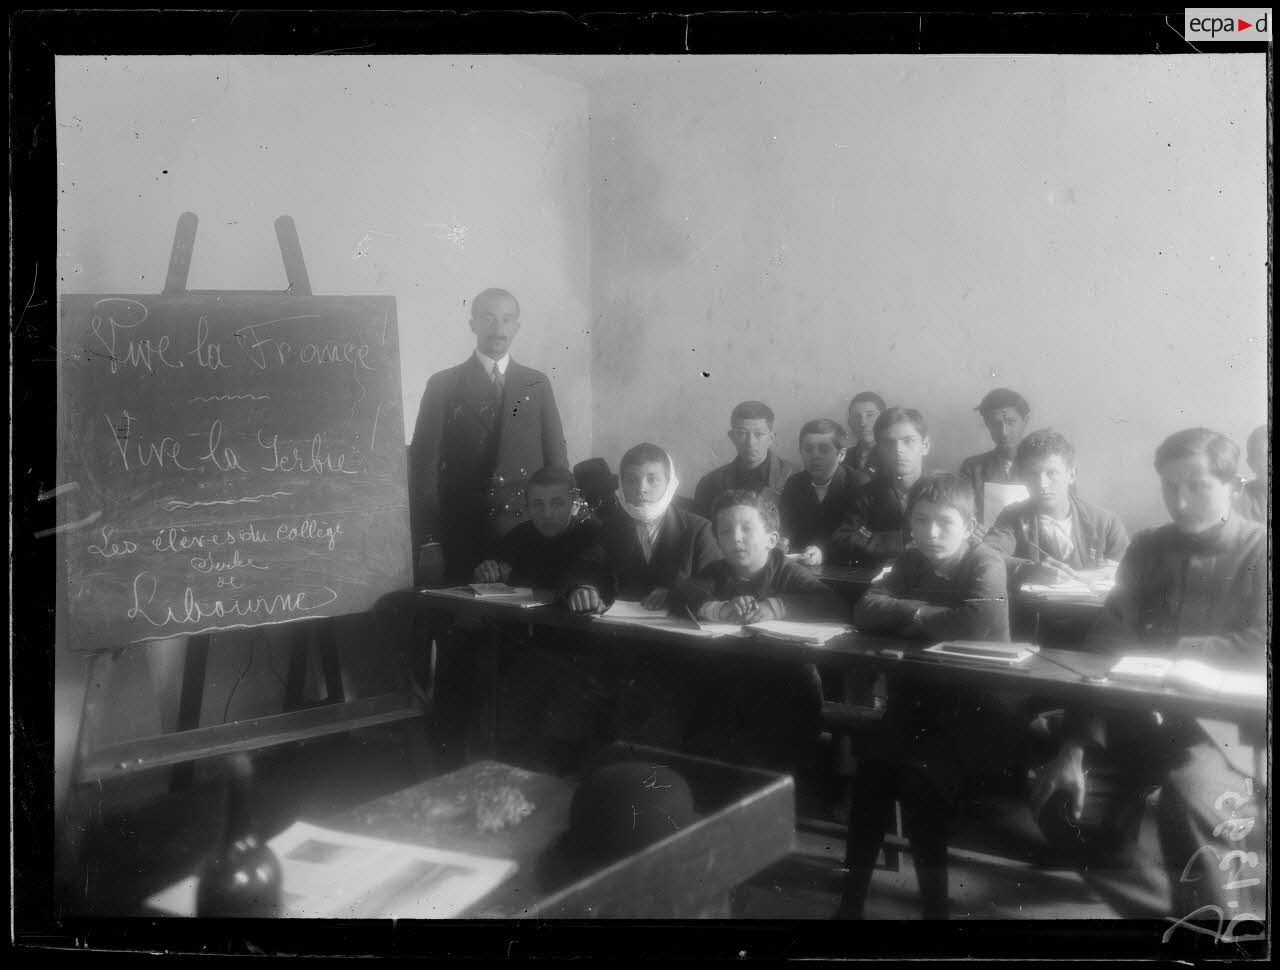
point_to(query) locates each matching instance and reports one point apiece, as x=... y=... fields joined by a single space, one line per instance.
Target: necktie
x=497 y=381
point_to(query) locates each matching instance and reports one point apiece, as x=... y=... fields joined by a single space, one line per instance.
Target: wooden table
x=1063 y=676
x=746 y=823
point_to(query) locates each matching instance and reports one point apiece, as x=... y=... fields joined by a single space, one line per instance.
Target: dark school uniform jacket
x=990 y=466
x=551 y=563
x=862 y=461
x=1096 y=535
x=975 y=596
x=1201 y=597
x=803 y=595
x=772 y=473
x=684 y=546
x=808 y=522
x=876 y=529
x=465 y=439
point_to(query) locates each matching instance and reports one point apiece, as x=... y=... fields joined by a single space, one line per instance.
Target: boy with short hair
x=861 y=458
x=552 y=543
x=553 y=706
x=755 y=467
x=947 y=586
x=817 y=500
x=1054 y=527
x=759 y=710
x=1255 y=497
x=876 y=530
x=1005 y=414
x=1195 y=587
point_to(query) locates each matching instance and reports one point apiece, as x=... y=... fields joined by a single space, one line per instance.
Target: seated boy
x=552 y=708
x=1193 y=588
x=756 y=466
x=750 y=709
x=650 y=546
x=1005 y=414
x=545 y=550
x=932 y=739
x=1054 y=527
x=818 y=499
x=876 y=530
x=861 y=459
x=1255 y=498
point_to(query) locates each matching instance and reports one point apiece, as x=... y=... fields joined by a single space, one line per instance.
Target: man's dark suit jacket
x=463 y=441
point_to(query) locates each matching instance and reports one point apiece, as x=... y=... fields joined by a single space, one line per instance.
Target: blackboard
x=227 y=461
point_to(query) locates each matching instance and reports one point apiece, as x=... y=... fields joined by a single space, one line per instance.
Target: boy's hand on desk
x=1063 y=773
x=922 y=613
x=656 y=600
x=811 y=556
x=584 y=599
x=491 y=571
x=738 y=609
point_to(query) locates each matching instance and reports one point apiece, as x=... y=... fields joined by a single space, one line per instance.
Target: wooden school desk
x=746 y=822
x=1068 y=677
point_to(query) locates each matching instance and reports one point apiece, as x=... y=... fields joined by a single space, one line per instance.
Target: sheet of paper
x=632 y=610
x=1196 y=675
x=996 y=495
x=339 y=875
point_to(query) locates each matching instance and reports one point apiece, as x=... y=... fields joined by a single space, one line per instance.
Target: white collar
x=488 y=363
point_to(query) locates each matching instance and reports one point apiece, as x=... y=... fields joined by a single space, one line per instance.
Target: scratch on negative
x=373 y=438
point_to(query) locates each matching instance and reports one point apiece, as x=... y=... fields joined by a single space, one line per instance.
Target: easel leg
x=78 y=810
x=194 y=666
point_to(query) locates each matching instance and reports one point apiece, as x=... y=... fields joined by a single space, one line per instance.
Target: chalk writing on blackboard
x=246 y=453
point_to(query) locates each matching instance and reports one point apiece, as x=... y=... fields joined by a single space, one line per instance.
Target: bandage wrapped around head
x=653 y=511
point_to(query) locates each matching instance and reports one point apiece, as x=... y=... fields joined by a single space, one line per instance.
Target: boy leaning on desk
x=932 y=740
x=1195 y=588
x=755 y=709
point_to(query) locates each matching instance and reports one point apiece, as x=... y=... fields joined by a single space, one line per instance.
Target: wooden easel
x=299 y=721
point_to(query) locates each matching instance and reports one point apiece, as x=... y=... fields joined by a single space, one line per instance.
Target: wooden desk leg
x=495 y=649
x=193 y=672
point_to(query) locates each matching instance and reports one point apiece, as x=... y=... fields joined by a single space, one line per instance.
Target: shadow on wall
x=630 y=236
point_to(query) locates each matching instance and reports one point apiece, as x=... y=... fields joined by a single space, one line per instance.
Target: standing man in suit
x=483 y=428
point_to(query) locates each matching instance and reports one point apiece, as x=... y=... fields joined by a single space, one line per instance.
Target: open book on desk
x=1189 y=674
x=500 y=593
x=629 y=613
x=985 y=651
x=798 y=631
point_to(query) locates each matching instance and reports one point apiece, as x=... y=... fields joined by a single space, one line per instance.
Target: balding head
x=495 y=320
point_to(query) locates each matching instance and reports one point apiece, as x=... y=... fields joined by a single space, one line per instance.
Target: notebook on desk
x=797 y=631
x=983 y=651
x=1189 y=674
